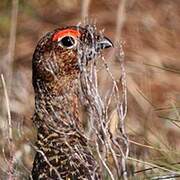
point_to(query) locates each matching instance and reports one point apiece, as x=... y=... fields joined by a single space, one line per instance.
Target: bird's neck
x=56 y=103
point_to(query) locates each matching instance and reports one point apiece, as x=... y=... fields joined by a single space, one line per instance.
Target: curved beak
x=105 y=43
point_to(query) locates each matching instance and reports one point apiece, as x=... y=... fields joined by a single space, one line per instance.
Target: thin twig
x=104 y=163
x=122 y=109
x=47 y=161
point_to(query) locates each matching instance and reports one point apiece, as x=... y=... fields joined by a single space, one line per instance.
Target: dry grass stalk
x=10 y=161
x=12 y=43
x=121 y=17
x=85 y=9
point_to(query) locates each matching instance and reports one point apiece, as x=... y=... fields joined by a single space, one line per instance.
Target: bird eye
x=67 y=42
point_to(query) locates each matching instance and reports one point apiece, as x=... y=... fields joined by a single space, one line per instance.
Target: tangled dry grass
x=150 y=32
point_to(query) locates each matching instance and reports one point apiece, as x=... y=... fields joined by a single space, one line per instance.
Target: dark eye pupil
x=67 y=41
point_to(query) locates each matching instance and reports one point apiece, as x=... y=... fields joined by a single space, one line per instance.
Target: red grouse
x=62 y=149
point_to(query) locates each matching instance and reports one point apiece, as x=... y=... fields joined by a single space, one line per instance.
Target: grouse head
x=60 y=53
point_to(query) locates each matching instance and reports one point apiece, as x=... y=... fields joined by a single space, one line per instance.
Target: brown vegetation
x=150 y=31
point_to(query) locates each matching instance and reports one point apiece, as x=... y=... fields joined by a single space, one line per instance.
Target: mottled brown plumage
x=62 y=149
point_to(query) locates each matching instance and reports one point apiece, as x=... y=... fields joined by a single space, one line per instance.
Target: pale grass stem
x=9 y=129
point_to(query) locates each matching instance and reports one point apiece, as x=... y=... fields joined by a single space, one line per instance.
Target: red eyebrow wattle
x=66 y=32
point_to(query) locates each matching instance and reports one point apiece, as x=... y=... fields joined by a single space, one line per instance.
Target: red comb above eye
x=66 y=32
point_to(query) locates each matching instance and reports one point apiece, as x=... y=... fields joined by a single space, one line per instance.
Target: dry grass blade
x=121 y=16
x=153 y=165
x=10 y=136
x=163 y=68
x=85 y=9
x=12 y=42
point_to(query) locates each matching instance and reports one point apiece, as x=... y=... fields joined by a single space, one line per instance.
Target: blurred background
x=150 y=32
